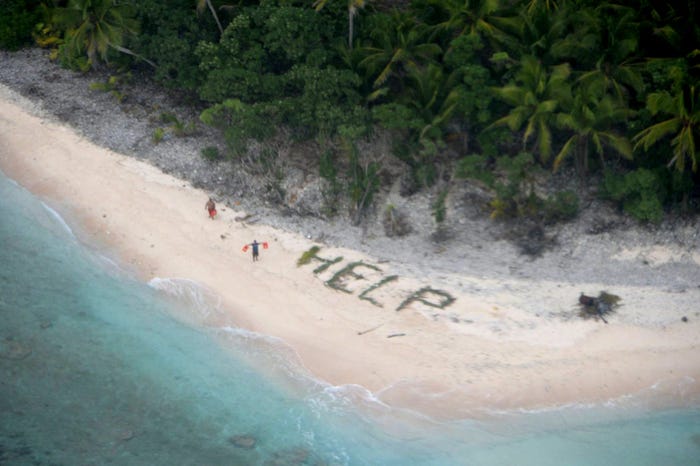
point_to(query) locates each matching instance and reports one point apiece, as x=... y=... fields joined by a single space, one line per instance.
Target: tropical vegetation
x=500 y=91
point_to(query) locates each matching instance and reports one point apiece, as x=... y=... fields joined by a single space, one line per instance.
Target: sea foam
x=59 y=219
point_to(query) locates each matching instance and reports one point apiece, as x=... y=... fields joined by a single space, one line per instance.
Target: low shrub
x=439 y=208
x=158 y=135
x=112 y=85
x=211 y=153
x=561 y=207
x=641 y=193
x=395 y=222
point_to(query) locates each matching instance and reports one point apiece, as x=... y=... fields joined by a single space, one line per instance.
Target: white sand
x=512 y=344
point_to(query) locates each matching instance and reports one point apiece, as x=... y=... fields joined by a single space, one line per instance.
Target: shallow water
x=99 y=368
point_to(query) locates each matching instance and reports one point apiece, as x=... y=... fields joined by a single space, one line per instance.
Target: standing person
x=256 y=249
x=210 y=206
x=255 y=245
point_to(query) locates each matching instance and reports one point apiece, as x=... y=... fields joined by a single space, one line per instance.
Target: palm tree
x=434 y=97
x=540 y=5
x=398 y=47
x=541 y=33
x=591 y=117
x=683 y=126
x=536 y=95
x=353 y=6
x=474 y=17
x=94 y=27
x=612 y=53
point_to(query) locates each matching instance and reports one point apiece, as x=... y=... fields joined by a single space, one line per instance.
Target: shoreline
x=502 y=344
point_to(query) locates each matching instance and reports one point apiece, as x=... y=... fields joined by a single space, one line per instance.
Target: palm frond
x=529 y=131
x=545 y=141
x=510 y=94
x=564 y=152
x=651 y=135
x=660 y=102
x=546 y=106
x=621 y=144
x=684 y=146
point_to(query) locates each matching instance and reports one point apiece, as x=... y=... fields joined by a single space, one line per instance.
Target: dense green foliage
x=504 y=91
x=641 y=192
x=17 y=21
x=169 y=34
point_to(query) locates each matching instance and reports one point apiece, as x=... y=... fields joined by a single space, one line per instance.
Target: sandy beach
x=501 y=344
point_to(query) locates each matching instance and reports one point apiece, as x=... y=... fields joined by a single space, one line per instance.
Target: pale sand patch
x=510 y=344
x=657 y=255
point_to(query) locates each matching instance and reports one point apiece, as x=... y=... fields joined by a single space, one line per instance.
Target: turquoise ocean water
x=99 y=368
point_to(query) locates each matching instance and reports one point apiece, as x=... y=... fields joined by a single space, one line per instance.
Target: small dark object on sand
x=598 y=306
x=684 y=319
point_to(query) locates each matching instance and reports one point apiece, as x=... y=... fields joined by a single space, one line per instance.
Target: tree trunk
x=216 y=18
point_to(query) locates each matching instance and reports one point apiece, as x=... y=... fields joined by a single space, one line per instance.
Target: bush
x=328 y=171
x=514 y=186
x=211 y=153
x=241 y=122
x=111 y=86
x=71 y=60
x=363 y=181
x=158 y=135
x=395 y=222
x=561 y=207
x=477 y=167
x=17 y=20
x=512 y=181
x=439 y=208
x=322 y=100
x=640 y=193
x=169 y=34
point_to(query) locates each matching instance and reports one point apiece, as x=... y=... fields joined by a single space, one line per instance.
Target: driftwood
x=369 y=329
x=243 y=218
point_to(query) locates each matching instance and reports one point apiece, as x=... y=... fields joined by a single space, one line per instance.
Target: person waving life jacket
x=255 y=246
